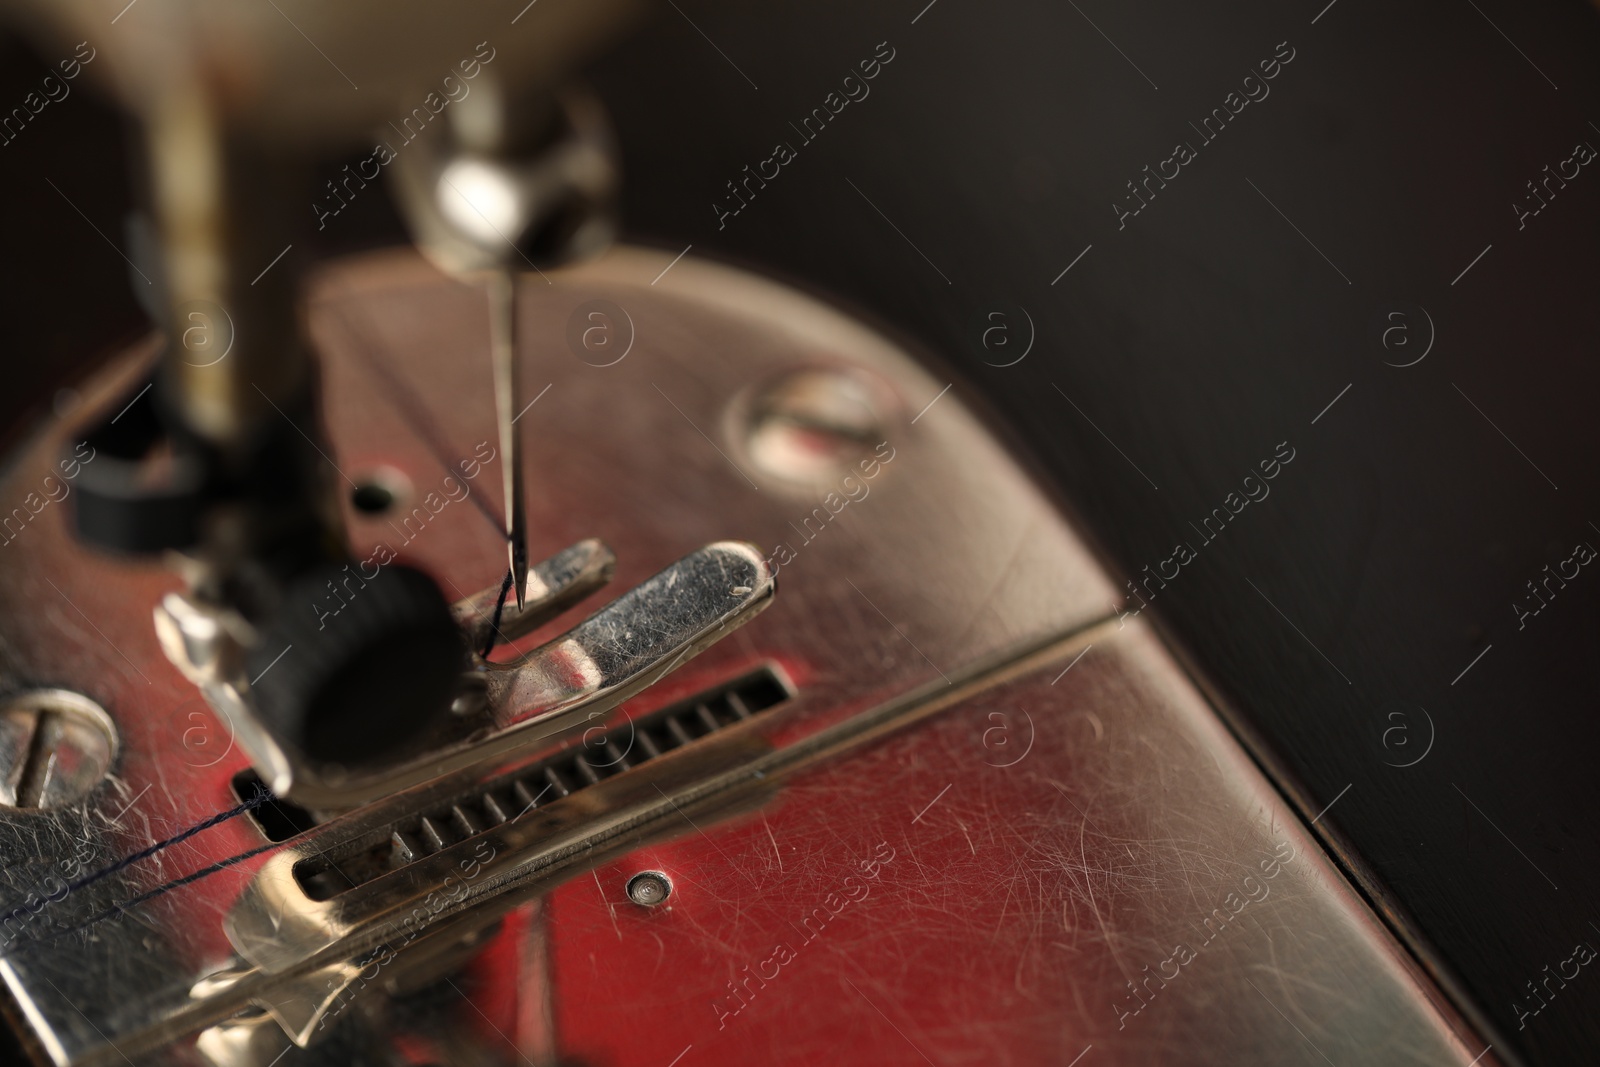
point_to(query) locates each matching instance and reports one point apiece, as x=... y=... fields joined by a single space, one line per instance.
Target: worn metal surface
x=936 y=592
x=1079 y=863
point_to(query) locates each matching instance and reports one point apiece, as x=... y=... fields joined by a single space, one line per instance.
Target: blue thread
x=499 y=609
x=261 y=797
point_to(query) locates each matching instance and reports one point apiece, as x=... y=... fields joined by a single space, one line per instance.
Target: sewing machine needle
x=508 y=395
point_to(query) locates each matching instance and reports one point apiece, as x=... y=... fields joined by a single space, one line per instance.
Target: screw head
x=813 y=425
x=55 y=747
x=649 y=888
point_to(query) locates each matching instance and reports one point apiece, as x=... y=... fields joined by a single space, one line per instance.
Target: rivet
x=649 y=888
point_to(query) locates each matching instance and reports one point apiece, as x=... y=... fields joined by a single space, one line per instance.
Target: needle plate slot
x=490 y=804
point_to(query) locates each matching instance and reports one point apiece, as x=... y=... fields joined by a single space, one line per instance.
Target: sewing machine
x=397 y=669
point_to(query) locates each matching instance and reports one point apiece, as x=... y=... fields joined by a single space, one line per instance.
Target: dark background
x=1339 y=614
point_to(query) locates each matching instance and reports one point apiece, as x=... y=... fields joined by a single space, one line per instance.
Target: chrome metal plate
x=995 y=824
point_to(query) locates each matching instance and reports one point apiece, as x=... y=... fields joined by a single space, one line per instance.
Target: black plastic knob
x=351 y=670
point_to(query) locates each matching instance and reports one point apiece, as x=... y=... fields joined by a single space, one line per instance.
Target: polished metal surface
x=1047 y=806
x=635 y=640
x=1075 y=860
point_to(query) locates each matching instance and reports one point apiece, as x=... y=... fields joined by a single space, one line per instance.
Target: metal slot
x=333 y=871
x=278 y=819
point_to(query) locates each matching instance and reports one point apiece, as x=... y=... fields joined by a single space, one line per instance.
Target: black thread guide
x=328 y=874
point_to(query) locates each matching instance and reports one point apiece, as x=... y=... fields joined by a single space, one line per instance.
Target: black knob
x=351 y=670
